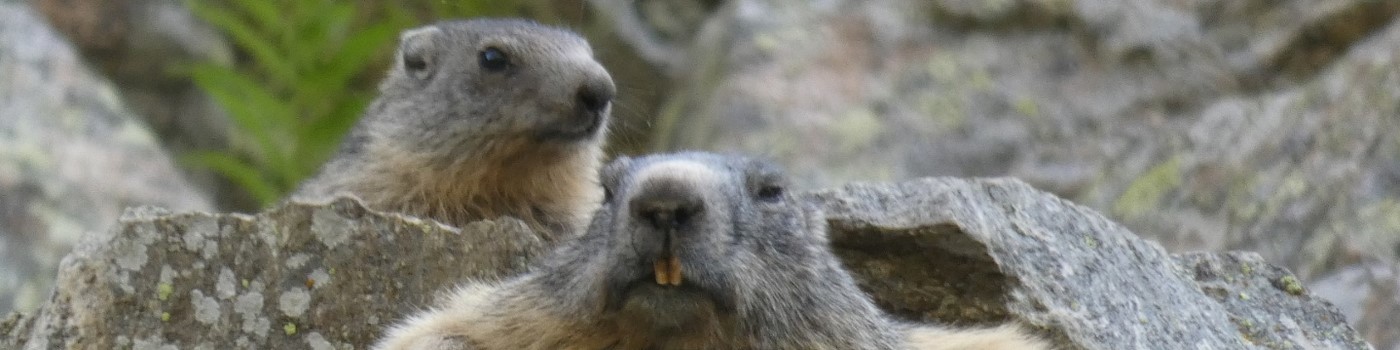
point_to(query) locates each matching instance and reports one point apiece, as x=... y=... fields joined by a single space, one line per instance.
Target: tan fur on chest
x=548 y=187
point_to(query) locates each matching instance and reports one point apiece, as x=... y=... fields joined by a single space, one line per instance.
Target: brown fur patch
x=550 y=187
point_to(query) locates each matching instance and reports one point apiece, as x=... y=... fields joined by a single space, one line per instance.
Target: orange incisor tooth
x=675 y=268
x=661 y=272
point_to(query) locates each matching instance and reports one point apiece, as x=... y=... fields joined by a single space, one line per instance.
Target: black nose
x=666 y=209
x=594 y=97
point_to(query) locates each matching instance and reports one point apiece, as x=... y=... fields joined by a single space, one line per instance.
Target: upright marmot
x=688 y=251
x=478 y=119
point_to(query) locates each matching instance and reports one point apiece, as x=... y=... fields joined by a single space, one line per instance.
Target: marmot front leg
x=1005 y=337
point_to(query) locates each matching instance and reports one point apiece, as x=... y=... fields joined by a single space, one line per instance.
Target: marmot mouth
x=668 y=271
x=650 y=290
x=649 y=293
x=583 y=126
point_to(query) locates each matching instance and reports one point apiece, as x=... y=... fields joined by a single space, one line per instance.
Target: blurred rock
x=1368 y=294
x=142 y=47
x=71 y=157
x=958 y=251
x=1256 y=125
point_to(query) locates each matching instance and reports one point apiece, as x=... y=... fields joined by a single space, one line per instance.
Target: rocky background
x=72 y=157
x=1268 y=126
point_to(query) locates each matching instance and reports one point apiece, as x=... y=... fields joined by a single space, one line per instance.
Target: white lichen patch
x=329 y=227
x=320 y=278
x=227 y=286
x=297 y=260
x=249 y=306
x=194 y=235
x=294 y=302
x=318 y=342
x=167 y=274
x=211 y=249
x=154 y=343
x=206 y=308
x=130 y=255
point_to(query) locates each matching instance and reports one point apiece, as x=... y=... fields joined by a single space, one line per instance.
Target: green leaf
x=322 y=33
x=353 y=58
x=297 y=92
x=255 y=112
x=240 y=172
x=266 y=14
x=322 y=136
x=263 y=52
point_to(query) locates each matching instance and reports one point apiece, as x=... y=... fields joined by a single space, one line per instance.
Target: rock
x=957 y=251
x=1268 y=305
x=1212 y=125
x=142 y=45
x=71 y=157
x=299 y=276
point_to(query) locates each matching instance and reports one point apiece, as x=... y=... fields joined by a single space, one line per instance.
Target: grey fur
x=458 y=142
x=756 y=274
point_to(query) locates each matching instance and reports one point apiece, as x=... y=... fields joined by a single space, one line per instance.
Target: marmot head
x=462 y=86
x=701 y=243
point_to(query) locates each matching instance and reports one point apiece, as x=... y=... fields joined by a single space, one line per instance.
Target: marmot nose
x=666 y=209
x=594 y=96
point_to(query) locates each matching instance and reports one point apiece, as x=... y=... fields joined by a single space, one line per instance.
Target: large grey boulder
x=71 y=157
x=141 y=45
x=300 y=276
x=957 y=251
x=1214 y=125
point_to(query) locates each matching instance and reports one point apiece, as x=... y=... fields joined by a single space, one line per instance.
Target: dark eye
x=607 y=194
x=492 y=59
x=414 y=63
x=770 y=193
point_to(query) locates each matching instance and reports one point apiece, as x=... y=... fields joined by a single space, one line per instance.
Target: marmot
x=478 y=119
x=688 y=251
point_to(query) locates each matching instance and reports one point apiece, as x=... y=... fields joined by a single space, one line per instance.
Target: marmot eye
x=770 y=193
x=607 y=194
x=492 y=59
x=414 y=63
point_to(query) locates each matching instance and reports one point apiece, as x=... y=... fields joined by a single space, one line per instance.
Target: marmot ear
x=765 y=180
x=610 y=174
x=416 y=51
x=616 y=167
